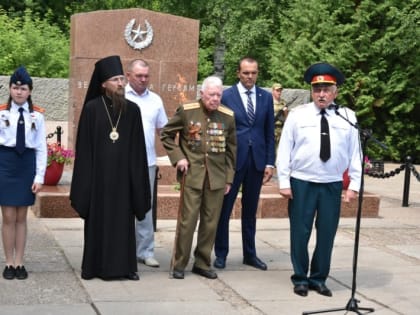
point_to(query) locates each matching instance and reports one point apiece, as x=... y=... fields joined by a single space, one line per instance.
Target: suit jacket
x=207 y=140
x=258 y=137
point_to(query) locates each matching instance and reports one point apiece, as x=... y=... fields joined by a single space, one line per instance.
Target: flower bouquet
x=57 y=157
x=59 y=154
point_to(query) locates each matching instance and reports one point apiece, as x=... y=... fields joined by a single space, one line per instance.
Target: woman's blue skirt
x=17 y=174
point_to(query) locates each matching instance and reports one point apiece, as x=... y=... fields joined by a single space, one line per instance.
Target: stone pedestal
x=271 y=204
x=53 y=201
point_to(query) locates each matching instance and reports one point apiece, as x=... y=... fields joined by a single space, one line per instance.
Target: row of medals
x=216 y=138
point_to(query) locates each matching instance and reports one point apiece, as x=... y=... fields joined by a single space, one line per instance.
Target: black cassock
x=110 y=186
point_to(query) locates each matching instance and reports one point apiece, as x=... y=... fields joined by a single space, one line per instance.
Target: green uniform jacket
x=207 y=140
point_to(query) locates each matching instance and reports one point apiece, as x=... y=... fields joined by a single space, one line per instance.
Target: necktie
x=20 y=133
x=250 y=107
x=325 y=151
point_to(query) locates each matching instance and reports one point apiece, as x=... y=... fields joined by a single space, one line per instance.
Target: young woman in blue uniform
x=23 y=160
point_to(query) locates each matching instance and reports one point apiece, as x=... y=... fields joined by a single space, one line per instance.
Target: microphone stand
x=352 y=304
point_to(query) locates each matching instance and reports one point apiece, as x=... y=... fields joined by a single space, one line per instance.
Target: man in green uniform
x=280 y=111
x=205 y=160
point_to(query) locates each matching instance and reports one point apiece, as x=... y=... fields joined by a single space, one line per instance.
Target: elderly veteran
x=316 y=147
x=205 y=160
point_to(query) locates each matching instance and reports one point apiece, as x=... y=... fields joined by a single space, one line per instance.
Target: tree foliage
x=56 y=12
x=31 y=41
x=374 y=42
x=232 y=29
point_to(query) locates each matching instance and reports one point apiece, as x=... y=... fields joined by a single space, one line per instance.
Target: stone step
x=53 y=202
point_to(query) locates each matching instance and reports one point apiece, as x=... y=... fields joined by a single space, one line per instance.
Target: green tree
x=233 y=29
x=35 y=43
x=385 y=75
x=56 y=12
x=59 y=12
x=375 y=44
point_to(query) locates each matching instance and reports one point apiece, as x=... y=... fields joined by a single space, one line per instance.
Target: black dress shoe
x=321 y=289
x=133 y=276
x=178 y=274
x=21 y=273
x=255 y=262
x=220 y=263
x=301 y=289
x=209 y=274
x=9 y=273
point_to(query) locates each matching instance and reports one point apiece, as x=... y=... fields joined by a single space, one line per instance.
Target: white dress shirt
x=153 y=117
x=35 y=137
x=242 y=91
x=298 y=150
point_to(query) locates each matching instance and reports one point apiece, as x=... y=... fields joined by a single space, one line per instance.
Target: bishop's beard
x=118 y=100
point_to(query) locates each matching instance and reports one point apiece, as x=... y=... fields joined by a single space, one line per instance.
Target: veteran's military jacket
x=207 y=140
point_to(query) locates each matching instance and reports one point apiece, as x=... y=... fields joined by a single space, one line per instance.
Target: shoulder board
x=3 y=106
x=225 y=110
x=191 y=106
x=39 y=109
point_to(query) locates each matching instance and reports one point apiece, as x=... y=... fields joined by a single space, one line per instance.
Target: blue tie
x=20 y=133
x=250 y=107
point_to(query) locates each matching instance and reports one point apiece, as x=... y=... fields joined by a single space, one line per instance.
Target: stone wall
x=53 y=95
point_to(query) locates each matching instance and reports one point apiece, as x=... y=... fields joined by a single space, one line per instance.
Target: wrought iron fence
x=58 y=131
x=409 y=169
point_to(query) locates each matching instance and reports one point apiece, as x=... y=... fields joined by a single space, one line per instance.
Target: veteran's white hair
x=211 y=81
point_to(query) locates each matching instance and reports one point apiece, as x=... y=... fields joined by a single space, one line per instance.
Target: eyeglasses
x=117 y=79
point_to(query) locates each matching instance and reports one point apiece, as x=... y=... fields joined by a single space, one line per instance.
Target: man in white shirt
x=154 y=118
x=310 y=172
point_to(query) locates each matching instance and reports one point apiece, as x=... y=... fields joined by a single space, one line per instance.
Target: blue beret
x=21 y=77
x=323 y=73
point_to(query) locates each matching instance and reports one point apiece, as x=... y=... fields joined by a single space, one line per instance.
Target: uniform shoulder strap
x=225 y=110
x=191 y=106
x=39 y=109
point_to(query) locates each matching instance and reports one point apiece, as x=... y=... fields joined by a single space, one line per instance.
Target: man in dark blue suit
x=254 y=117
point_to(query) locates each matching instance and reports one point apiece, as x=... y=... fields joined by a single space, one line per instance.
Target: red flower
x=59 y=154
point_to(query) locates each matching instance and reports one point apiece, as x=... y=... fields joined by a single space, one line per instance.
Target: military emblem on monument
x=138 y=38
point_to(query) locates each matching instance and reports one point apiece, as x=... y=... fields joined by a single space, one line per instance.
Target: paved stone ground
x=388 y=270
